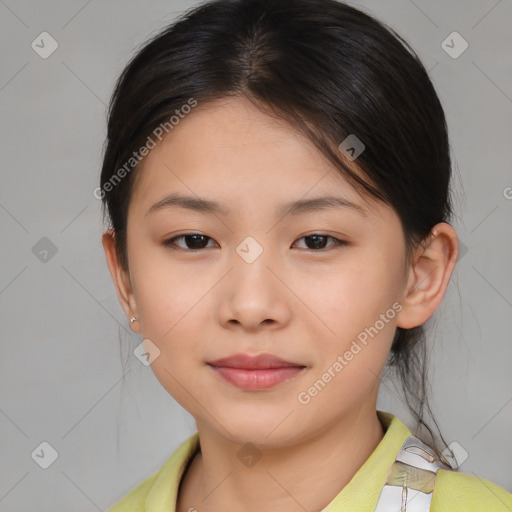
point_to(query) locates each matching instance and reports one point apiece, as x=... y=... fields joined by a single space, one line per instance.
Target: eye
x=193 y=241
x=197 y=241
x=318 y=240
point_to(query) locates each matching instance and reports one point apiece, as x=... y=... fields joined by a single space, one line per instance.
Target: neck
x=308 y=474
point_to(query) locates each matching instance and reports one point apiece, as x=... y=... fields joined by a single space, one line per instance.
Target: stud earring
x=132 y=319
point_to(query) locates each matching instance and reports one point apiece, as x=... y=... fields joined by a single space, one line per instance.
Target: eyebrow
x=293 y=208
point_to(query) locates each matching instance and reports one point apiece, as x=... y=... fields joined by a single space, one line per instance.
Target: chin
x=261 y=429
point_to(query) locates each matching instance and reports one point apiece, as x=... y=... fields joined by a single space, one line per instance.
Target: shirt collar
x=361 y=493
x=363 y=490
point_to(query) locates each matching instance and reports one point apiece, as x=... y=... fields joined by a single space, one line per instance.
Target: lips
x=254 y=373
x=259 y=362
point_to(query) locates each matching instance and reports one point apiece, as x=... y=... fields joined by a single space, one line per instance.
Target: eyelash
x=170 y=242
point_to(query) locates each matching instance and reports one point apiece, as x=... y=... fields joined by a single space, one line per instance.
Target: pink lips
x=255 y=372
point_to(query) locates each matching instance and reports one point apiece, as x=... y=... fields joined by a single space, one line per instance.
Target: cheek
x=349 y=364
x=351 y=297
x=330 y=394
x=358 y=308
x=166 y=302
x=169 y=324
x=167 y=292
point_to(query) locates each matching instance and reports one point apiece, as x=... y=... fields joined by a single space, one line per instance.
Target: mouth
x=259 y=372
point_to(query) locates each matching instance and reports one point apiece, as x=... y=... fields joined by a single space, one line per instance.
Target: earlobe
x=119 y=275
x=429 y=275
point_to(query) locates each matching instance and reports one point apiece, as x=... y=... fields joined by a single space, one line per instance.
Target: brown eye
x=193 y=241
x=196 y=241
x=318 y=241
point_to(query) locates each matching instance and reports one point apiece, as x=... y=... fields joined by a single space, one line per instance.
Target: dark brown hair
x=328 y=69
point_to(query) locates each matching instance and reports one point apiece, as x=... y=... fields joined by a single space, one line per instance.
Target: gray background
x=61 y=365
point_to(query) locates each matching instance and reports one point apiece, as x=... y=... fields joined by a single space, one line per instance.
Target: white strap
x=410 y=480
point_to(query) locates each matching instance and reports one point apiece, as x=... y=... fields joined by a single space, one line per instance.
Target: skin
x=298 y=302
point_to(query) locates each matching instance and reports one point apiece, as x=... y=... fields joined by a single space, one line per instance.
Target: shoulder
x=135 y=500
x=159 y=490
x=459 y=492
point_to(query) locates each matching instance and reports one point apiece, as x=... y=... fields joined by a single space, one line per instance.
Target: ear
x=120 y=277
x=429 y=275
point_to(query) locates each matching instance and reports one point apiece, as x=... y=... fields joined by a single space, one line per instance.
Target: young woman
x=277 y=180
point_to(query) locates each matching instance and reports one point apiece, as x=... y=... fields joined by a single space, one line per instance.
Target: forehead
x=230 y=149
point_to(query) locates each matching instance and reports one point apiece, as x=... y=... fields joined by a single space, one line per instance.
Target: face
x=318 y=287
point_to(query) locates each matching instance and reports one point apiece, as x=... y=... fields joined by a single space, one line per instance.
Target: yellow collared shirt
x=453 y=491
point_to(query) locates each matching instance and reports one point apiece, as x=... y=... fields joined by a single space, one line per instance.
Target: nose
x=253 y=294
